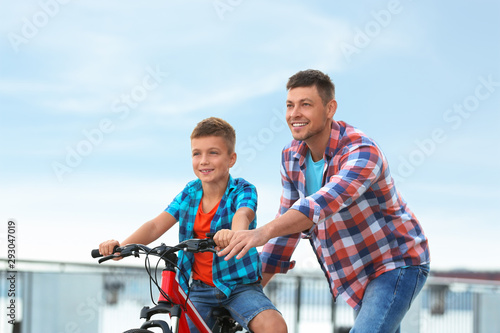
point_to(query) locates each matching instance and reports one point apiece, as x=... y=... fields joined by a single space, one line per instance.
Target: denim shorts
x=245 y=302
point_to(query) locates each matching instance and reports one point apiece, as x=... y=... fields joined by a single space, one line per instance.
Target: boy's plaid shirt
x=362 y=226
x=226 y=274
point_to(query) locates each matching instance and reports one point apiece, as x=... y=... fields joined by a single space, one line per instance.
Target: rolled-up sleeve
x=174 y=207
x=246 y=196
x=277 y=253
x=289 y=192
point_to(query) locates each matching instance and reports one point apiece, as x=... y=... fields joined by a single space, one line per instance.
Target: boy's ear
x=232 y=159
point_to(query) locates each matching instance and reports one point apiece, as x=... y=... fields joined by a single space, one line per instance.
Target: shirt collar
x=333 y=141
x=197 y=187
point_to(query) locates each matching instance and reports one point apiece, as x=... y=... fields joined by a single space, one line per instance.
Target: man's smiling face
x=306 y=114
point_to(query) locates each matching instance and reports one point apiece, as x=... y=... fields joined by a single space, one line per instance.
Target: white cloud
x=97 y=62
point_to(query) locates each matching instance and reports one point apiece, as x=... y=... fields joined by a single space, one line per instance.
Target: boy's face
x=211 y=159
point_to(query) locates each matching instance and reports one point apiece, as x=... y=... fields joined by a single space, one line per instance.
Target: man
x=338 y=192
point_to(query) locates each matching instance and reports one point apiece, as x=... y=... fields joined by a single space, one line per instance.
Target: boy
x=215 y=202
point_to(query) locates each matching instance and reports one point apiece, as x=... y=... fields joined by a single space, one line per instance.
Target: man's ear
x=331 y=108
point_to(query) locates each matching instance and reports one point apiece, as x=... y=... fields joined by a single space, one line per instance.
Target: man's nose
x=293 y=112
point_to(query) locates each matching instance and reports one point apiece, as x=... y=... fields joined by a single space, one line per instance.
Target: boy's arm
x=147 y=233
x=241 y=221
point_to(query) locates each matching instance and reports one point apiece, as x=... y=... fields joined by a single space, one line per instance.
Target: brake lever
x=198 y=245
x=210 y=249
x=106 y=258
x=188 y=245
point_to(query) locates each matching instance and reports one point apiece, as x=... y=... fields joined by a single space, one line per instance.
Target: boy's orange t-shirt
x=202 y=266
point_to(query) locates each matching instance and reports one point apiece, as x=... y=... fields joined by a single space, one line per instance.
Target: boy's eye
x=214 y=152
x=196 y=154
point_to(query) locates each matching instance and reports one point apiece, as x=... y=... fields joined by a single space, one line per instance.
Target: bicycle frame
x=174 y=291
x=172 y=300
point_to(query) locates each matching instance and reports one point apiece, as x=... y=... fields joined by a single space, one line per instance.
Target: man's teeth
x=299 y=124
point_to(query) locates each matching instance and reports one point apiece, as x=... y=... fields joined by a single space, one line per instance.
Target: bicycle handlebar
x=191 y=245
x=96 y=254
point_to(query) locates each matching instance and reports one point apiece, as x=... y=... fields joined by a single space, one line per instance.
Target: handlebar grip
x=96 y=254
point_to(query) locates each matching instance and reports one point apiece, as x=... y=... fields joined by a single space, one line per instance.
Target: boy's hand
x=222 y=238
x=106 y=248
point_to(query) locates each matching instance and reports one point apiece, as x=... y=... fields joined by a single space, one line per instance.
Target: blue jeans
x=387 y=299
x=245 y=302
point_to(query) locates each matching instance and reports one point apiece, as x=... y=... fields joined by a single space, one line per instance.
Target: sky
x=98 y=100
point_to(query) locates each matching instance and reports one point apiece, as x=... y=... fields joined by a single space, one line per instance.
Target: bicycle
x=172 y=299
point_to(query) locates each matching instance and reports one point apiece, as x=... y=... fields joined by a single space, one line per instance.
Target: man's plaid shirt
x=362 y=226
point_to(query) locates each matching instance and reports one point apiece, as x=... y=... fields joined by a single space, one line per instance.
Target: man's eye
x=214 y=152
x=196 y=154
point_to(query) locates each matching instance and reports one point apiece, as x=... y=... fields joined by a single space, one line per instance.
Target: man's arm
x=266 y=277
x=358 y=170
x=291 y=222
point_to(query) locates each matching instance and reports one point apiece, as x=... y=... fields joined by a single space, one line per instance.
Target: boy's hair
x=216 y=127
x=312 y=77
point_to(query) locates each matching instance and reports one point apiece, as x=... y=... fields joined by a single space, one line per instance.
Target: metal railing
x=76 y=298
x=444 y=305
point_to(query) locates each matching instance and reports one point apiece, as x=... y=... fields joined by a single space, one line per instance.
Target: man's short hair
x=312 y=77
x=216 y=127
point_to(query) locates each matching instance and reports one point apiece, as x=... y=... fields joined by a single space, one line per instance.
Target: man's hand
x=242 y=241
x=291 y=222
